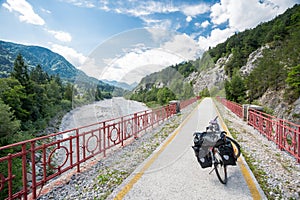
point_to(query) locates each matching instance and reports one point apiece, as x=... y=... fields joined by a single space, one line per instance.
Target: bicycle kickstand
x=212 y=170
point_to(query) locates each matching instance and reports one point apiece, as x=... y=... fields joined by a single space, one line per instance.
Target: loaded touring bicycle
x=213 y=148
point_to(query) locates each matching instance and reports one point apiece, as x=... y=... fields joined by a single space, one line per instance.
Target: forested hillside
x=165 y=85
x=277 y=69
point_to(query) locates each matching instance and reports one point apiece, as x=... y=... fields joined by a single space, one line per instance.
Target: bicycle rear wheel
x=220 y=168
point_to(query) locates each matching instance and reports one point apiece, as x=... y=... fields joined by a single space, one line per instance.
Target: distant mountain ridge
x=123 y=85
x=51 y=62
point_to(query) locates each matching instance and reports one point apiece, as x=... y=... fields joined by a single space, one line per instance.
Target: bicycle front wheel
x=220 y=168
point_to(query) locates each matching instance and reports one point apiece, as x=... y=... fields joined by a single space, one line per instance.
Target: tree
x=204 y=93
x=20 y=71
x=13 y=94
x=38 y=75
x=8 y=123
x=164 y=95
x=68 y=93
x=98 y=94
x=238 y=90
x=235 y=89
x=187 y=91
x=293 y=80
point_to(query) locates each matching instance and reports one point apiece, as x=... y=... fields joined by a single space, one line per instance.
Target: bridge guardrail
x=284 y=133
x=45 y=158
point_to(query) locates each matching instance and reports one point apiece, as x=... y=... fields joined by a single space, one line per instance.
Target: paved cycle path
x=172 y=171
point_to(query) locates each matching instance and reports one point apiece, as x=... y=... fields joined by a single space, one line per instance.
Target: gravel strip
x=277 y=172
x=102 y=178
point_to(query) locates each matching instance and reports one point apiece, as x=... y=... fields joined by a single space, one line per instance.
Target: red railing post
x=32 y=149
x=145 y=121
x=122 y=132
x=135 y=126
x=152 y=118
x=298 y=135
x=77 y=150
x=280 y=133
x=24 y=171
x=104 y=139
x=71 y=152
x=168 y=111
x=10 y=176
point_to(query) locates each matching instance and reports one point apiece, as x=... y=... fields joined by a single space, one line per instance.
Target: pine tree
x=8 y=124
x=20 y=71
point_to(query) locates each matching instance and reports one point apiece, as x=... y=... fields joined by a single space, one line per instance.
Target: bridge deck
x=172 y=171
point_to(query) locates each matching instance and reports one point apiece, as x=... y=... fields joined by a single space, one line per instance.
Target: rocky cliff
x=213 y=78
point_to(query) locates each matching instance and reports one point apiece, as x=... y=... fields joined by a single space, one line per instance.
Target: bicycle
x=214 y=148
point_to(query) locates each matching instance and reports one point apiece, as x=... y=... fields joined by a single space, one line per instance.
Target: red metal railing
x=45 y=158
x=185 y=103
x=285 y=134
x=234 y=107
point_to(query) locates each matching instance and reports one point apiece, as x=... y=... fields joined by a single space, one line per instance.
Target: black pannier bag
x=201 y=149
x=227 y=152
x=205 y=161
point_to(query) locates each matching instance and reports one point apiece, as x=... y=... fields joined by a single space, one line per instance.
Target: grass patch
x=261 y=177
x=233 y=132
x=109 y=178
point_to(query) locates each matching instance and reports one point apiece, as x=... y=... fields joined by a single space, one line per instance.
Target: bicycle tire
x=238 y=147
x=220 y=168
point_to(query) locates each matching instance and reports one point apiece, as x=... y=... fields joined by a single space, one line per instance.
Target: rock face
x=251 y=62
x=210 y=78
x=213 y=79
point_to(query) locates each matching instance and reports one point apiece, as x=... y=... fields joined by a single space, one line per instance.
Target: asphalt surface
x=172 y=171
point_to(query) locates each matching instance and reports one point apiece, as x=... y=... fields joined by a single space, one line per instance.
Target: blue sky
x=125 y=39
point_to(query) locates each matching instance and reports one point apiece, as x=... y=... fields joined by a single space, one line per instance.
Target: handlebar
x=213 y=125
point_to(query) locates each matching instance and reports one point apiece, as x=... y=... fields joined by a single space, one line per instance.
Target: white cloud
x=140 y=60
x=157 y=23
x=25 y=10
x=241 y=15
x=82 y=3
x=146 y=9
x=216 y=36
x=46 y=11
x=193 y=10
x=145 y=62
x=137 y=8
x=247 y=14
x=205 y=24
x=183 y=46
x=77 y=59
x=61 y=35
x=189 y=19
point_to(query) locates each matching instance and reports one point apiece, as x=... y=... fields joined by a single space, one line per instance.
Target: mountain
x=51 y=62
x=122 y=85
